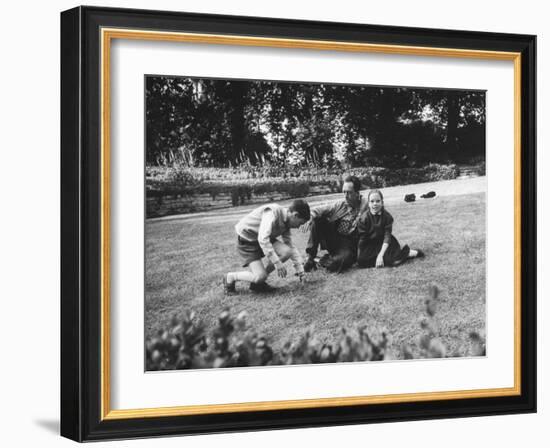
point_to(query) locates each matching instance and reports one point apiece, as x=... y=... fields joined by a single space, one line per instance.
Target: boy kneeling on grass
x=257 y=236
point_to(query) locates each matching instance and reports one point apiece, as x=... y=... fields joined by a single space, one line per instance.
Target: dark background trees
x=210 y=122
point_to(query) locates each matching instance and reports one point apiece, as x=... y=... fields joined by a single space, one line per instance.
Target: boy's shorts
x=250 y=250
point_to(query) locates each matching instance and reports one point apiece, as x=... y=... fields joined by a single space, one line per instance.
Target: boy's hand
x=304 y=228
x=281 y=271
x=380 y=261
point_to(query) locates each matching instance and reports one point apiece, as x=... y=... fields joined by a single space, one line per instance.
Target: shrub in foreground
x=185 y=344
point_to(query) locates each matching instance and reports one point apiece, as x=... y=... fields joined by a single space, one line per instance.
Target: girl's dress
x=374 y=230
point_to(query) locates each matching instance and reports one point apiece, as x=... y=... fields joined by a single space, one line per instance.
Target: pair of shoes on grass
x=229 y=288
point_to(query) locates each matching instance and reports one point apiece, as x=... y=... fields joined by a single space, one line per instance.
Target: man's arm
x=323 y=211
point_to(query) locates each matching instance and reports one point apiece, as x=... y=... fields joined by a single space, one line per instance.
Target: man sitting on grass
x=257 y=236
x=334 y=228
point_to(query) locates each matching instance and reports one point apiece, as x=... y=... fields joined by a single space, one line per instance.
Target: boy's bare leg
x=258 y=272
x=260 y=276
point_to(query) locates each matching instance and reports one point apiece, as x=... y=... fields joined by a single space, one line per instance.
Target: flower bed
x=184 y=190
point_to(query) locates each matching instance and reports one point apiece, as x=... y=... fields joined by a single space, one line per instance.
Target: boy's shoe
x=228 y=288
x=420 y=254
x=310 y=265
x=261 y=287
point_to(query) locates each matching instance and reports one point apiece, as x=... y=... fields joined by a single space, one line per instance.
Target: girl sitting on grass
x=377 y=246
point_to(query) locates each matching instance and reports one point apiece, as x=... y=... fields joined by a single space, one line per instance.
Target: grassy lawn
x=185 y=262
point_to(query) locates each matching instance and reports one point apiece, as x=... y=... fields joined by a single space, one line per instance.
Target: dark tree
x=210 y=122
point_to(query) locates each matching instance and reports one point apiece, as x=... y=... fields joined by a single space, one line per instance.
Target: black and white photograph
x=306 y=223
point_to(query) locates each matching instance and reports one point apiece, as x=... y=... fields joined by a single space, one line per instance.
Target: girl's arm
x=388 y=225
x=380 y=257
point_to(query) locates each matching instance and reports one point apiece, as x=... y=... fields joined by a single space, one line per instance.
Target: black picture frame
x=82 y=397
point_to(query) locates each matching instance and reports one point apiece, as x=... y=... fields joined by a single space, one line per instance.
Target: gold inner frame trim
x=107 y=34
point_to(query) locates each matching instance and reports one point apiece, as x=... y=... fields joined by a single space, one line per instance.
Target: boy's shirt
x=265 y=224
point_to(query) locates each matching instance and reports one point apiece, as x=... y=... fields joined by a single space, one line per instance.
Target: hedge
x=186 y=182
x=184 y=343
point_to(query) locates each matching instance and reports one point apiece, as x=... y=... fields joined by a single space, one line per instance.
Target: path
x=392 y=195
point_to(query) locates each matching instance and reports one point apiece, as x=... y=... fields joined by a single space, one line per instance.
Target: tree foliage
x=215 y=122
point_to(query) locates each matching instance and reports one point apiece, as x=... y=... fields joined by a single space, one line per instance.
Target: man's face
x=351 y=196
